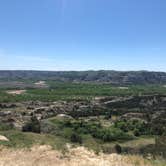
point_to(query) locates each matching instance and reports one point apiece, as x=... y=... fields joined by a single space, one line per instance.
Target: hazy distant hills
x=103 y=76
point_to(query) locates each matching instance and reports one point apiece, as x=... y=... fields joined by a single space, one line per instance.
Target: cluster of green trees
x=71 y=91
x=158 y=125
x=75 y=129
x=138 y=127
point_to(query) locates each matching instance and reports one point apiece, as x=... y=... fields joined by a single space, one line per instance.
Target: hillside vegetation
x=103 y=117
x=103 y=76
x=73 y=91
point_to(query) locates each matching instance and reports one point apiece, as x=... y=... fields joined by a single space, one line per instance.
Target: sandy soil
x=40 y=83
x=45 y=156
x=3 y=138
x=16 y=92
x=123 y=88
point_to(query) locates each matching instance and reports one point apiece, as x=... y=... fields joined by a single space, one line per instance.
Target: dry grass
x=142 y=141
x=45 y=156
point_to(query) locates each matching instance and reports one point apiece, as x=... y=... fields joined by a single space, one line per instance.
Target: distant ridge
x=101 y=76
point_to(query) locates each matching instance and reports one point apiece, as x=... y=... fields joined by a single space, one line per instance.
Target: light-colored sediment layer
x=3 y=138
x=16 y=92
x=45 y=156
x=123 y=88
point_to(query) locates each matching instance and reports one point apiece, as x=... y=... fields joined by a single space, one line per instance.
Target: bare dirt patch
x=3 y=138
x=123 y=88
x=15 y=92
x=41 y=84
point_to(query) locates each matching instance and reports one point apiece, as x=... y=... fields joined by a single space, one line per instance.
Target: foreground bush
x=32 y=126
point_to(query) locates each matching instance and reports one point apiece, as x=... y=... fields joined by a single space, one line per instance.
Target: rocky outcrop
x=145 y=101
x=7 y=105
x=64 y=117
x=3 y=138
x=131 y=116
x=150 y=108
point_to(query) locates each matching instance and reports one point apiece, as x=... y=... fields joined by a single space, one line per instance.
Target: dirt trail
x=45 y=156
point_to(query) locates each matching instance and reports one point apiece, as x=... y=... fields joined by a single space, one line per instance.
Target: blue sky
x=83 y=34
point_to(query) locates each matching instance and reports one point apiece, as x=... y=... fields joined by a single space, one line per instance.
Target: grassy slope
x=18 y=139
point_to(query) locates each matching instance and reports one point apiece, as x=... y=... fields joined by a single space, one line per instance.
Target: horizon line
x=90 y=70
